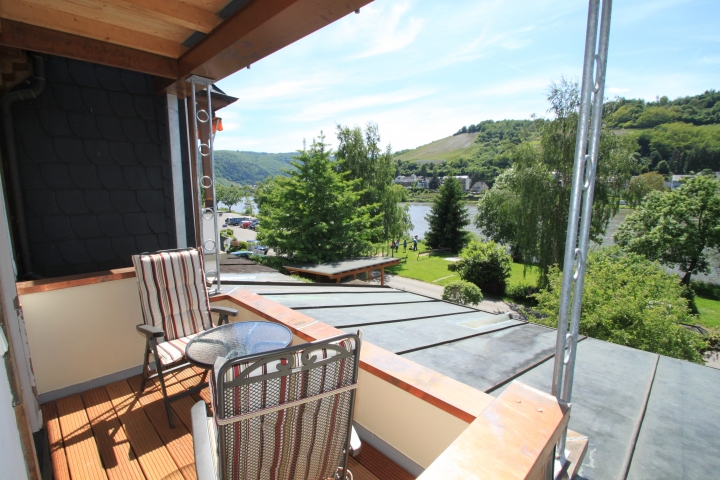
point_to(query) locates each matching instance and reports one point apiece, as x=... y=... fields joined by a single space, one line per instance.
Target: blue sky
x=422 y=69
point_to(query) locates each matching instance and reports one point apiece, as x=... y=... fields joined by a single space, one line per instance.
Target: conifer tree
x=312 y=216
x=448 y=218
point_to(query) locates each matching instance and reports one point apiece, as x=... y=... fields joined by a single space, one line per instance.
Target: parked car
x=238 y=221
x=254 y=224
x=246 y=224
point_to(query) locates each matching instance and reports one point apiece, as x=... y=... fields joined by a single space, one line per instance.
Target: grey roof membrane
x=332 y=268
x=259 y=277
x=647 y=416
x=379 y=314
x=303 y=300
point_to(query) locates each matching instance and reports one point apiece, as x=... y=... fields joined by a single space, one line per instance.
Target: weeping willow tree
x=527 y=208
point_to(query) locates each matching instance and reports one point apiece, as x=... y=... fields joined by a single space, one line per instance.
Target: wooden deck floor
x=112 y=433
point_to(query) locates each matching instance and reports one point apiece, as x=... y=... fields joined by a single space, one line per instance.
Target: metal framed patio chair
x=175 y=307
x=284 y=415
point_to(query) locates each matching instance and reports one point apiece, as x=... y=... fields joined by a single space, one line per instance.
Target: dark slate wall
x=95 y=168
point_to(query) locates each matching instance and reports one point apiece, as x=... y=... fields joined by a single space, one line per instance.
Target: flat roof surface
x=334 y=268
x=647 y=416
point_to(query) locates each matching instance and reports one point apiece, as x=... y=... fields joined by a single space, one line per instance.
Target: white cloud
x=334 y=107
x=390 y=31
x=710 y=60
x=617 y=90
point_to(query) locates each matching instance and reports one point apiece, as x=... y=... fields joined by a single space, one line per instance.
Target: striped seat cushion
x=303 y=441
x=173 y=350
x=172 y=291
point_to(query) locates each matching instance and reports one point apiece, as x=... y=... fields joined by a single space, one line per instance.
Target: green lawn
x=434 y=270
x=427 y=269
x=517 y=278
x=709 y=311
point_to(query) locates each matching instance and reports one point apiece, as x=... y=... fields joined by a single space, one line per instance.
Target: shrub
x=630 y=301
x=462 y=293
x=486 y=265
x=236 y=246
x=227 y=232
x=522 y=293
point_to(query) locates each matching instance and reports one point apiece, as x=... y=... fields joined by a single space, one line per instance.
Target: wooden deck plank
x=55 y=441
x=191 y=377
x=359 y=472
x=177 y=440
x=381 y=466
x=155 y=460
x=115 y=451
x=129 y=438
x=81 y=448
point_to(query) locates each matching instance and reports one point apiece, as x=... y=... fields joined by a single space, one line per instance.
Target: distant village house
x=479 y=187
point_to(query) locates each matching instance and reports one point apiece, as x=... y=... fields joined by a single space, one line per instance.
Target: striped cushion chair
x=175 y=307
x=281 y=415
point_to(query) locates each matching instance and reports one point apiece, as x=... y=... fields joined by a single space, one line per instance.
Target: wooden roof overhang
x=170 y=39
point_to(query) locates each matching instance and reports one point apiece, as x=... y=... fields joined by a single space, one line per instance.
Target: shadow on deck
x=111 y=432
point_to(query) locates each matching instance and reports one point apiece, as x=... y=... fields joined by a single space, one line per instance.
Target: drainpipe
x=38 y=85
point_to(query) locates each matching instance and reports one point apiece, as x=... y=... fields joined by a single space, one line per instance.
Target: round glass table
x=235 y=340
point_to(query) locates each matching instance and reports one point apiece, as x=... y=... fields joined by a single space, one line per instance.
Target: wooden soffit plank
x=178 y=13
x=256 y=31
x=50 y=19
x=44 y=40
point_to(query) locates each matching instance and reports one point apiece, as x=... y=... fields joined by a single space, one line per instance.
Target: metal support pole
x=583 y=189
x=203 y=117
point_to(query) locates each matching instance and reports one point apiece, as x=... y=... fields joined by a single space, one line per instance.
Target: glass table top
x=235 y=340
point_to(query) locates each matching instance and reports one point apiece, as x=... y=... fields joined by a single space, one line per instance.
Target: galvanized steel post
x=210 y=244
x=581 y=197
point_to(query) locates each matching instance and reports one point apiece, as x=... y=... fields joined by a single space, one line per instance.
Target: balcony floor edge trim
x=388 y=450
x=90 y=384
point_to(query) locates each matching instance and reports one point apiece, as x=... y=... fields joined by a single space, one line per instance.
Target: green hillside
x=447 y=148
x=249 y=168
x=481 y=151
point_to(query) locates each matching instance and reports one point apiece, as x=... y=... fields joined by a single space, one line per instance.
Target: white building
x=465 y=181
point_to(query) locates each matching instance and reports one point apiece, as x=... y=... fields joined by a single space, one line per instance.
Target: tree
x=228 y=195
x=361 y=159
x=448 y=218
x=484 y=264
x=643 y=184
x=527 y=207
x=312 y=215
x=462 y=293
x=663 y=168
x=677 y=228
x=630 y=301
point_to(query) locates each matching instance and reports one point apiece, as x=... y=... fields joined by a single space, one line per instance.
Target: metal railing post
x=210 y=245
x=581 y=197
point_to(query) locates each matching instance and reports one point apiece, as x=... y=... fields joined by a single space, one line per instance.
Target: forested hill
x=249 y=168
x=703 y=109
x=673 y=136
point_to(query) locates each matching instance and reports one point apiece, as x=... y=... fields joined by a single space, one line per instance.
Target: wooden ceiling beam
x=51 y=19
x=44 y=40
x=256 y=31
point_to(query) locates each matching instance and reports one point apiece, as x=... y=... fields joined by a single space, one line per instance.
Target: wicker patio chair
x=283 y=415
x=175 y=307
